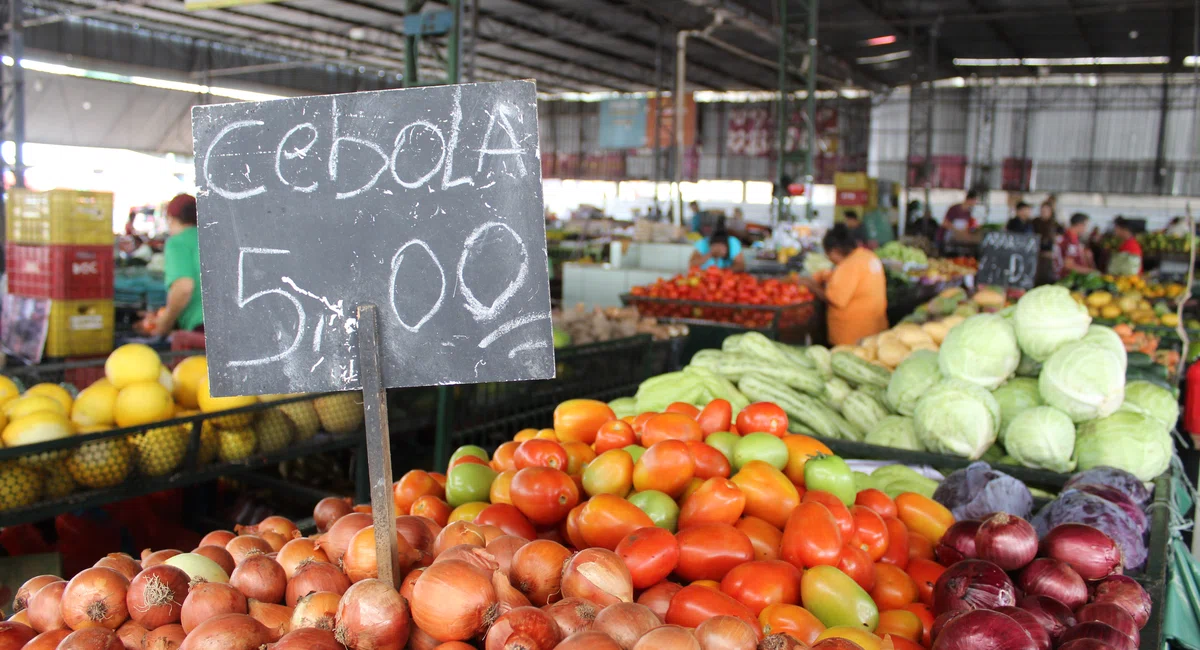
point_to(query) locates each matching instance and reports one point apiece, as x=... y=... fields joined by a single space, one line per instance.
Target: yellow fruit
x=8 y=390
x=160 y=451
x=38 y=427
x=340 y=413
x=166 y=380
x=1170 y=320
x=303 y=417
x=55 y=392
x=132 y=363
x=95 y=406
x=58 y=483
x=1099 y=299
x=188 y=375
x=143 y=402
x=236 y=445
x=1110 y=311
x=101 y=463
x=30 y=404
x=210 y=404
x=19 y=486
x=210 y=444
x=274 y=431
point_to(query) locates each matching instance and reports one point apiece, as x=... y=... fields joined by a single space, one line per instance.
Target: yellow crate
x=80 y=328
x=60 y=217
x=855 y=181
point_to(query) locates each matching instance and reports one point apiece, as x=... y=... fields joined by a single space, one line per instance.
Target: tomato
x=683 y=408
x=723 y=441
x=716 y=501
x=760 y=584
x=661 y=508
x=635 y=451
x=613 y=434
x=856 y=563
x=709 y=462
x=540 y=453
x=811 y=537
x=546 y=434
x=469 y=482
x=840 y=512
x=502 y=460
x=412 y=486
x=876 y=500
x=893 y=587
x=579 y=419
x=462 y=460
x=606 y=519
x=666 y=467
x=500 y=492
x=543 y=495
x=763 y=417
x=919 y=546
x=800 y=449
x=793 y=620
x=469 y=450
x=670 y=426
x=763 y=537
x=897 y=551
x=898 y=642
x=925 y=574
x=923 y=515
x=525 y=434
x=709 y=551
x=467 y=512
x=835 y=599
x=707 y=584
x=717 y=416
x=639 y=423
x=769 y=494
x=853 y=633
x=762 y=447
x=830 y=474
x=651 y=555
x=691 y=488
x=440 y=478
x=571 y=527
x=695 y=604
x=578 y=456
x=870 y=533
x=925 y=613
x=508 y=519
x=610 y=473
x=432 y=507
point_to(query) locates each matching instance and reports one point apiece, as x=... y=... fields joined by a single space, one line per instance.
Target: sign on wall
x=623 y=123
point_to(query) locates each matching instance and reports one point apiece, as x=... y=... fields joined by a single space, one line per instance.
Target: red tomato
x=925 y=574
x=769 y=494
x=717 y=416
x=856 y=563
x=840 y=512
x=508 y=519
x=893 y=587
x=651 y=555
x=765 y=417
x=709 y=462
x=639 y=423
x=925 y=613
x=763 y=537
x=695 y=604
x=431 y=507
x=614 y=434
x=792 y=620
x=897 y=551
x=683 y=408
x=876 y=500
x=759 y=584
x=811 y=537
x=716 y=501
x=900 y=643
x=667 y=467
x=412 y=486
x=571 y=530
x=540 y=453
x=709 y=551
x=543 y=495
x=870 y=533
x=579 y=419
x=606 y=519
x=671 y=426
x=919 y=546
x=923 y=515
x=503 y=460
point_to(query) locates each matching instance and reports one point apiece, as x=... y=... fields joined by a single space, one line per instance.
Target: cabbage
x=1074 y=506
x=1028 y=367
x=1083 y=380
x=1048 y=318
x=1129 y=485
x=957 y=417
x=1016 y=396
x=1153 y=400
x=977 y=491
x=895 y=431
x=1044 y=437
x=1136 y=443
x=982 y=350
x=915 y=375
x=1106 y=338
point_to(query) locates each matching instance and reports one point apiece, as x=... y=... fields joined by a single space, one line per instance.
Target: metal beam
x=16 y=36
x=1141 y=6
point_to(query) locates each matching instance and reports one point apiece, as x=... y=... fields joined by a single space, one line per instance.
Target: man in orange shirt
x=856 y=293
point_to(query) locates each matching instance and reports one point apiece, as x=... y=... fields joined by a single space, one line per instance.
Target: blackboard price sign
x=426 y=203
x=1008 y=259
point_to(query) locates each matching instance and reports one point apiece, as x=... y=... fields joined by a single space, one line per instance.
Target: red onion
x=208 y=600
x=1126 y=592
x=1085 y=644
x=1007 y=541
x=1102 y=632
x=628 y=622
x=373 y=616
x=308 y=639
x=167 y=637
x=941 y=621
x=329 y=510
x=156 y=596
x=1110 y=614
x=983 y=630
x=1047 y=576
x=1053 y=615
x=92 y=638
x=958 y=543
x=227 y=632
x=31 y=587
x=95 y=597
x=573 y=615
x=14 y=636
x=527 y=628
x=312 y=577
x=973 y=584
x=1090 y=552
x=1033 y=627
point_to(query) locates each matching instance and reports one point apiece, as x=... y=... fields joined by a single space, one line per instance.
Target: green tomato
x=835 y=599
x=661 y=508
x=469 y=450
x=469 y=482
x=759 y=446
x=723 y=441
x=831 y=474
x=636 y=451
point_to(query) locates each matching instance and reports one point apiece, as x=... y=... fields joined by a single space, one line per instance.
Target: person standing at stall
x=856 y=293
x=1020 y=222
x=1071 y=253
x=1128 y=258
x=720 y=249
x=959 y=217
x=184 y=309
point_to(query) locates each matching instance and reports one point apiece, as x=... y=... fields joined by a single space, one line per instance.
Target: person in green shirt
x=184 y=309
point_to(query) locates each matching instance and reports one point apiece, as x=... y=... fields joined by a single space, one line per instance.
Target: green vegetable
x=1083 y=380
x=958 y=418
x=469 y=450
x=1109 y=340
x=1044 y=437
x=863 y=411
x=732 y=343
x=862 y=481
x=1016 y=396
x=759 y=446
x=468 y=482
x=624 y=406
x=1153 y=400
x=1028 y=367
x=808 y=410
x=795 y=426
x=657 y=393
x=718 y=387
x=896 y=479
x=836 y=390
x=913 y=377
x=822 y=360
x=895 y=431
x=878 y=393
x=1139 y=360
x=1136 y=443
x=1048 y=318
x=734 y=366
x=710 y=359
x=981 y=350
x=836 y=599
x=830 y=474
x=856 y=371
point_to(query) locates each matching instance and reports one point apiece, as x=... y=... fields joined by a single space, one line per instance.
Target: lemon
x=187 y=376
x=160 y=451
x=303 y=417
x=37 y=427
x=19 y=486
x=210 y=443
x=101 y=463
x=95 y=405
x=274 y=430
x=132 y=363
x=58 y=482
x=167 y=380
x=9 y=390
x=210 y=404
x=30 y=404
x=143 y=402
x=341 y=413
x=55 y=392
x=236 y=444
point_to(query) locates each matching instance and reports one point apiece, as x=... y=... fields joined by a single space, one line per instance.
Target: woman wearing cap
x=184 y=309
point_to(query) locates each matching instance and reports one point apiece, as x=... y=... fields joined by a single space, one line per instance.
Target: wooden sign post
x=1008 y=259
x=372 y=241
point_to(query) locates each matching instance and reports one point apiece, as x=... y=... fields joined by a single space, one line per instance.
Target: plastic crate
x=60 y=272
x=80 y=328
x=796 y=323
x=60 y=217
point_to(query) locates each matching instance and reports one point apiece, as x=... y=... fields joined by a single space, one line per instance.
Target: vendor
x=184 y=309
x=1020 y=221
x=856 y=293
x=1130 y=248
x=720 y=249
x=1071 y=253
x=959 y=217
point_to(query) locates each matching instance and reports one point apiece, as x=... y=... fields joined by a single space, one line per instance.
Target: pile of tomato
x=712 y=516
x=722 y=286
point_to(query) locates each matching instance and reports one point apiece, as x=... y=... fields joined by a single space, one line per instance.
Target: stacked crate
x=60 y=246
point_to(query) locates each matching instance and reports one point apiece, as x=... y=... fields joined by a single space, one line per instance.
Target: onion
x=1031 y=624
x=524 y=628
x=227 y=632
x=419 y=640
x=217 y=554
x=13 y=636
x=958 y=543
x=21 y=617
x=1090 y=552
x=329 y=510
x=156 y=596
x=598 y=575
x=372 y=616
x=95 y=598
x=92 y=638
x=167 y=637
x=942 y=619
x=243 y=546
x=983 y=629
x=781 y=641
x=507 y=596
x=31 y=587
x=45 y=608
x=503 y=548
x=455 y=645
x=490 y=532
x=132 y=635
x=452 y=602
x=296 y=551
x=316 y=610
x=726 y=633
x=312 y=577
x=410 y=581
x=1053 y=615
x=658 y=598
x=1110 y=614
x=628 y=622
x=281 y=526
x=360 y=561
x=217 y=538
x=1054 y=578
x=434 y=527
x=573 y=615
x=1007 y=541
x=276 y=618
x=417 y=534
x=207 y=600
x=459 y=532
x=668 y=636
x=476 y=556
x=48 y=640
x=158 y=557
x=308 y=639
x=335 y=542
x=973 y=584
x=261 y=578
x=1102 y=632
x=537 y=569
x=199 y=568
x=588 y=641
x=274 y=540
x=1128 y=594
x=121 y=563
x=1085 y=644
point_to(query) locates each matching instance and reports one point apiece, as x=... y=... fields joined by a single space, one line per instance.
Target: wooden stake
x=379 y=452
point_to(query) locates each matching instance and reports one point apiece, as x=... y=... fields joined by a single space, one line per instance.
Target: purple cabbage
x=1119 y=479
x=1112 y=495
x=978 y=491
x=1075 y=506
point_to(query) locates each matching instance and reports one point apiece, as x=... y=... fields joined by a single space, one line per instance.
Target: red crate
x=60 y=271
x=85 y=376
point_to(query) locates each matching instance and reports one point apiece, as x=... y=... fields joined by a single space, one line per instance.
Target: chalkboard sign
x=1008 y=259
x=426 y=203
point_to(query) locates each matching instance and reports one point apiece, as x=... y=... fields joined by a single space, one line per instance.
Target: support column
x=1160 y=155
x=811 y=107
x=411 y=47
x=780 y=154
x=680 y=107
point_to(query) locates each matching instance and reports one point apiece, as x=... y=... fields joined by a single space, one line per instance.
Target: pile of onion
x=95 y=597
x=156 y=596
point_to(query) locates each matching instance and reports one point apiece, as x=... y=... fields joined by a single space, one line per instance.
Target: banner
x=197 y=5
x=749 y=132
x=623 y=123
x=666 y=130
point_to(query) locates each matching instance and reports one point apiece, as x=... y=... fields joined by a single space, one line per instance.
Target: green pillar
x=811 y=104
x=411 y=47
x=780 y=164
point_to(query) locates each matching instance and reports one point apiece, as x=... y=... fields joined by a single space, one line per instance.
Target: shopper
x=697 y=216
x=720 y=249
x=1128 y=258
x=959 y=217
x=1071 y=253
x=1048 y=229
x=184 y=309
x=856 y=293
x=1021 y=222
x=1177 y=227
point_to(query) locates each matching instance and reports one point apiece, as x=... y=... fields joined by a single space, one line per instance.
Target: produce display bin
x=80 y=328
x=796 y=323
x=60 y=217
x=61 y=272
